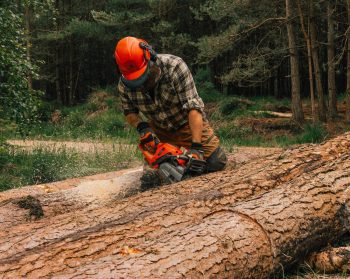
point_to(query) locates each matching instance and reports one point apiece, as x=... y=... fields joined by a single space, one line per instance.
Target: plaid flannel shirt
x=174 y=96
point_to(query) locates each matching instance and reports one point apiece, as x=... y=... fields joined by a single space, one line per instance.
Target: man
x=161 y=87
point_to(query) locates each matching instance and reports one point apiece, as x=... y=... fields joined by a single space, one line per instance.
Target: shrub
x=45 y=110
x=76 y=119
x=313 y=133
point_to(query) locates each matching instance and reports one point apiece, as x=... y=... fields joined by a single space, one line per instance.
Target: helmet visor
x=136 y=79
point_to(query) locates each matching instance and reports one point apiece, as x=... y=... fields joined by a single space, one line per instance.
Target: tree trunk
x=59 y=96
x=27 y=15
x=332 y=90
x=315 y=58
x=297 y=110
x=71 y=92
x=275 y=87
x=348 y=66
x=71 y=73
x=309 y=59
x=57 y=75
x=244 y=223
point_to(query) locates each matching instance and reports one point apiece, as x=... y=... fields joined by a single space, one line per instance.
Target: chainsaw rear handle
x=196 y=166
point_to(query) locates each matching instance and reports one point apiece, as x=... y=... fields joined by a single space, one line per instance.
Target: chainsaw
x=173 y=163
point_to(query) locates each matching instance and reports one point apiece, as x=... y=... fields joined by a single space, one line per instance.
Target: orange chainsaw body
x=162 y=150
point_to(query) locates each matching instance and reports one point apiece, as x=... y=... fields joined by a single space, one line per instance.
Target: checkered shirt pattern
x=175 y=95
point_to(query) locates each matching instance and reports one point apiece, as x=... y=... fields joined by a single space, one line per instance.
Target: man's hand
x=197 y=164
x=148 y=138
x=196 y=151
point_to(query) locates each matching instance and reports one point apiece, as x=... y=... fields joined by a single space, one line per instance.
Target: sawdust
x=106 y=190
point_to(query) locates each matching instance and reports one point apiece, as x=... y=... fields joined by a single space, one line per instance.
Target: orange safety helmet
x=133 y=58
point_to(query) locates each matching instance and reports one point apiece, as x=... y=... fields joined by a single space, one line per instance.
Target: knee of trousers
x=217 y=160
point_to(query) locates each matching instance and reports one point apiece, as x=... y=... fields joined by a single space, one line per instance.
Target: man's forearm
x=133 y=119
x=195 y=121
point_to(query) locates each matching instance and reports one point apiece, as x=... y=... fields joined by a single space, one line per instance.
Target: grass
x=306 y=272
x=101 y=119
x=77 y=125
x=231 y=135
x=20 y=167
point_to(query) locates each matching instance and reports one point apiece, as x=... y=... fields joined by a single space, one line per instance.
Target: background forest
x=64 y=48
x=272 y=73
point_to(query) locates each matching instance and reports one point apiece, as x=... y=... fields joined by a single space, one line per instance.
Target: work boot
x=150 y=179
x=217 y=160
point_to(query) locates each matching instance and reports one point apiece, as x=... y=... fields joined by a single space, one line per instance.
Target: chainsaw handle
x=183 y=157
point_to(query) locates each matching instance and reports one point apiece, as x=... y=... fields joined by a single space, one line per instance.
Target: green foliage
x=41 y=165
x=312 y=133
x=211 y=47
x=233 y=106
x=230 y=135
x=253 y=68
x=234 y=132
x=247 y=47
x=99 y=118
x=85 y=29
x=205 y=86
x=16 y=100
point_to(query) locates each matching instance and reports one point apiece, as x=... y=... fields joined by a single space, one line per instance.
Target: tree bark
x=59 y=97
x=71 y=73
x=297 y=110
x=315 y=57
x=242 y=223
x=309 y=59
x=348 y=66
x=332 y=89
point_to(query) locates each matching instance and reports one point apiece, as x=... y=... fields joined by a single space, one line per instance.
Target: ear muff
x=147 y=47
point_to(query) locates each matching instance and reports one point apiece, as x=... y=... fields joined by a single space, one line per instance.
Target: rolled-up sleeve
x=186 y=88
x=127 y=105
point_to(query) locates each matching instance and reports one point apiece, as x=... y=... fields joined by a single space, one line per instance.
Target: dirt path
x=73 y=145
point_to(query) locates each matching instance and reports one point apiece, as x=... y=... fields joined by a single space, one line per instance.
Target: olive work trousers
x=213 y=153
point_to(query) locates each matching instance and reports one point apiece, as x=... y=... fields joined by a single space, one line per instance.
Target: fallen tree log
x=243 y=223
x=330 y=260
x=274 y=113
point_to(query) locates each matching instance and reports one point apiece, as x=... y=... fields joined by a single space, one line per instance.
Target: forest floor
x=104 y=187
x=105 y=157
